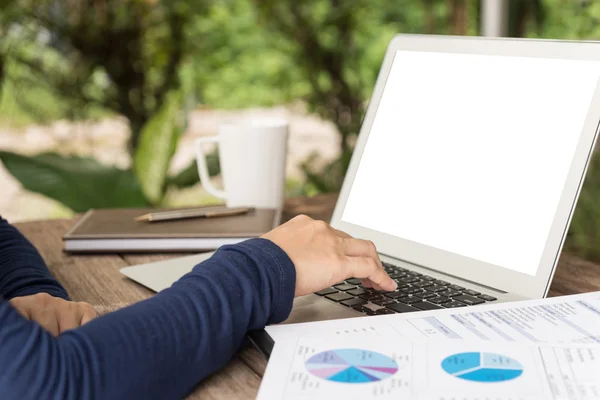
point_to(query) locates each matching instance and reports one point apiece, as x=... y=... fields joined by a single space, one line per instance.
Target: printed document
x=558 y=320
x=381 y=364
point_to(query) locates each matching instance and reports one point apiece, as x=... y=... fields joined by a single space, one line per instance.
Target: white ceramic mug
x=253 y=158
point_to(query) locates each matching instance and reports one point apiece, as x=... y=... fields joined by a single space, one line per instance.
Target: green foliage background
x=153 y=61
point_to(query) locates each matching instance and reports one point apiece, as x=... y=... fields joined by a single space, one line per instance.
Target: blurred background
x=101 y=100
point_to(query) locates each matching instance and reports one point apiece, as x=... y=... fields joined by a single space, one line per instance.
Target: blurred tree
x=325 y=47
x=525 y=15
x=325 y=33
x=120 y=57
x=454 y=17
x=338 y=47
x=459 y=16
x=577 y=19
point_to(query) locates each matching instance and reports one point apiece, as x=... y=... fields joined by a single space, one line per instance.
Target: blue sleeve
x=159 y=348
x=22 y=269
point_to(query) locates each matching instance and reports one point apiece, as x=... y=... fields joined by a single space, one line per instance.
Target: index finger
x=367 y=268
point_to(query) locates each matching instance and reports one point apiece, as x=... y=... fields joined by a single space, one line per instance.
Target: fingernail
x=395 y=285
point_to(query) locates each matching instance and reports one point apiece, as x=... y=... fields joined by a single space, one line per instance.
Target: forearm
x=161 y=347
x=22 y=269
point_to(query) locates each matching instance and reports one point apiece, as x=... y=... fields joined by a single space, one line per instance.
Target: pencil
x=192 y=213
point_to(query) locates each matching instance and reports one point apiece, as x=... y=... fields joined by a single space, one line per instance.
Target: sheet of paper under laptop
x=381 y=364
x=536 y=349
x=555 y=320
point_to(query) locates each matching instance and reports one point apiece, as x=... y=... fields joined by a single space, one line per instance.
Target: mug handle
x=203 y=169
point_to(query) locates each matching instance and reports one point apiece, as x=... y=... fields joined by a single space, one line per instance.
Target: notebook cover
x=120 y=224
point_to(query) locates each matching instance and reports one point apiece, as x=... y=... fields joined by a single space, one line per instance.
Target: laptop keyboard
x=416 y=292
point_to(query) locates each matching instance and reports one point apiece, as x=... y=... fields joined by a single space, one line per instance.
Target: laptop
x=465 y=175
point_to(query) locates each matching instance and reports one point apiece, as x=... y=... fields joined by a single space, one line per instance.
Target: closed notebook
x=116 y=230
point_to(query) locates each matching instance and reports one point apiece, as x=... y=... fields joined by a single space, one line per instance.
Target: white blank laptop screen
x=469 y=153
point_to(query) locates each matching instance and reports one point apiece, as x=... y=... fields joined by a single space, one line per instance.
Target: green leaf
x=189 y=176
x=77 y=182
x=158 y=141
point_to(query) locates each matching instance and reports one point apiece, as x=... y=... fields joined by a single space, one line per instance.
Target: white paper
x=383 y=365
x=558 y=320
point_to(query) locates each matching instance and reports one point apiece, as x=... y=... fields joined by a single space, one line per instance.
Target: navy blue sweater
x=159 y=348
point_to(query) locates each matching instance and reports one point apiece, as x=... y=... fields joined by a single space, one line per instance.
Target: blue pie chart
x=351 y=366
x=482 y=367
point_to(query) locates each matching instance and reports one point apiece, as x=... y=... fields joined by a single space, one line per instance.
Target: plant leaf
x=189 y=176
x=158 y=141
x=77 y=182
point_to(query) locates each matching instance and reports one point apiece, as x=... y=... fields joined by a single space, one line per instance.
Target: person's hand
x=54 y=314
x=324 y=256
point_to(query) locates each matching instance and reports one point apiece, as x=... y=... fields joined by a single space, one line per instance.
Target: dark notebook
x=116 y=230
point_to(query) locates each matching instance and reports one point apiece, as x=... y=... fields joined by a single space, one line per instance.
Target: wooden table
x=96 y=279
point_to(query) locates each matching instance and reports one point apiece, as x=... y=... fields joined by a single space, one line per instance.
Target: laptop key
x=468 y=300
x=401 y=308
x=410 y=279
x=353 y=281
x=441 y=282
x=382 y=302
x=370 y=296
x=354 y=302
x=471 y=292
x=364 y=310
x=345 y=286
x=383 y=311
x=409 y=300
x=428 y=278
x=453 y=304
x=427 y=295
x=402 y=284
x=380 y=292
x=341 y=296
x=426 y=306
x=326 y=291
x=435 y=288
x=450 y=293
x=395 y=295
x=356 y=292
x=411 y=290
x=422 y=284
x=397 y=275
x=438 y=300
x=486 y=297
x=456 y=287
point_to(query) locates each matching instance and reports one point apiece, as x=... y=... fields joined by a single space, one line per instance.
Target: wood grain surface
x=96 y=279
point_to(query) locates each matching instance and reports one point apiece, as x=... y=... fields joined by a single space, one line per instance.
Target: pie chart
x=351 y=366
x=482 y=367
